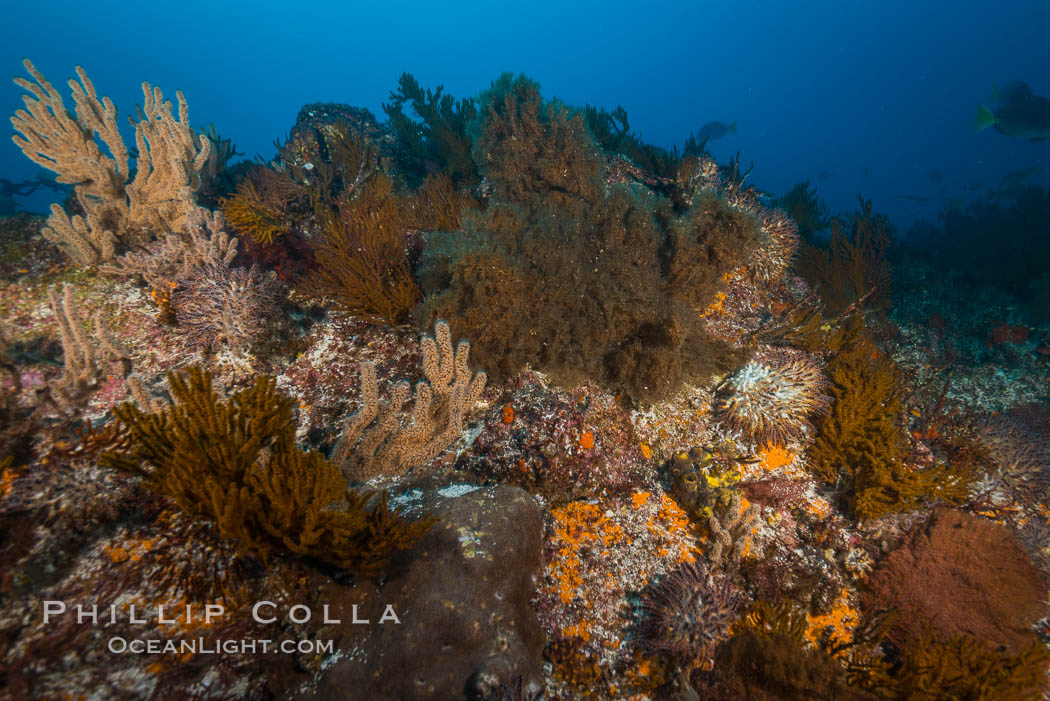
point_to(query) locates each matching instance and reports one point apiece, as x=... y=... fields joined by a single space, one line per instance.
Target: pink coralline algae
x=560 y=444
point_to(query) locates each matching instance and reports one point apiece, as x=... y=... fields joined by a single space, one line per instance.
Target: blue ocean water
x=876 y=99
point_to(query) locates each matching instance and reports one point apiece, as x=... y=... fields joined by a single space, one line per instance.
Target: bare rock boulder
x=462 y=597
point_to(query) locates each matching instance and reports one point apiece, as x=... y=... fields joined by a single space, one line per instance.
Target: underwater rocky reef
x=493 y=400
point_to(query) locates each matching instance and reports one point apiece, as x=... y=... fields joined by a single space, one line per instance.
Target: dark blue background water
x=888 y=88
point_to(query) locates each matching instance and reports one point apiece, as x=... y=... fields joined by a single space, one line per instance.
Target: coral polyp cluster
x=687 y=613
x=1018 y=461
x=773 y=258
x=778 y=233
x=771 y=399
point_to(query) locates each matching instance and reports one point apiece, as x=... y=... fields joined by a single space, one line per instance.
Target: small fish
x=715 y=130
x=1012 y=183
x=913 y=198
x=824 y=175
x=936 y=176
x=1017 y=112
x=973 y=186
x=953 y=204
x=1016 y=177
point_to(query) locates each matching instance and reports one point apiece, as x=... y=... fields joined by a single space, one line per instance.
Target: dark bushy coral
x=437 y=205
x=553 y=237
x=235 y=462
x=805 y=208
x=330 y=177
x=439 y=140
x=775 y=667
x=854 y=264
x=362 y=259
x=260 y=206
x=612 y=131
x=769 y=658
x=965 y=668
x=107 y=540
x=862 y=440
x=527 y=146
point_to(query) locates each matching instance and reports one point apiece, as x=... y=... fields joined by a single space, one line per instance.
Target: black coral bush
x=362 y=264
x=862 y=443
x=579 y=278
x=439 y=137
x=234 y=462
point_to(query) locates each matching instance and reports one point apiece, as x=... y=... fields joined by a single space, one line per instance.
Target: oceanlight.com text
x=118 y=645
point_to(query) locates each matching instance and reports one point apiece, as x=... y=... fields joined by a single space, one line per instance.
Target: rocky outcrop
x=462 y=598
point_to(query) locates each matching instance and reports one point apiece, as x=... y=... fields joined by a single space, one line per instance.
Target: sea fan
x=770 y=400
x=221 y=306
